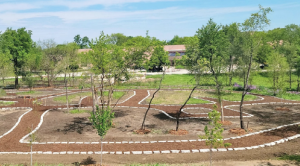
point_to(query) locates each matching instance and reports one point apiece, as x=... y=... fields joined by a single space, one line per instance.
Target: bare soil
x=8 y=118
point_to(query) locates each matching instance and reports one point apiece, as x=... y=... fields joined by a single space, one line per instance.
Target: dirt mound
x=142 y=131
x=225 y=123
x=179 y=132
x=239 y=131
x=282 y=109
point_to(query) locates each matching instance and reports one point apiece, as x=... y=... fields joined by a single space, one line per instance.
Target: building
x=173 y=49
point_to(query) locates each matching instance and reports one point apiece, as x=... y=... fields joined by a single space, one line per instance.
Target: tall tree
x=18 y=43
x=159 y=58
x=256 y=22
x=213 y=46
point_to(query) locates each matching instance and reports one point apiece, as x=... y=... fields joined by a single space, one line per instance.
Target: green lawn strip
x=290 y=157
x=289 y=96
x=76 y=111
x=63 y=99
x=71 y=97
x=6 y=103
x=174 y=97
x=29 y=93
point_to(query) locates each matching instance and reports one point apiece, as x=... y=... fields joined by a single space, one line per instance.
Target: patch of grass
x=289 y=96
x=28 y=92
x=6 y=103
x=71 y=97
x=237 y=97
x=290 y=157
x=76 y=111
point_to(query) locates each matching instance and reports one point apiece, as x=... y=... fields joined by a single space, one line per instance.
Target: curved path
x=10 y=143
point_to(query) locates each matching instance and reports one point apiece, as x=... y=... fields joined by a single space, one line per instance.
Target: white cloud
x=87 y=3
x=16 y=7
x=173 y=13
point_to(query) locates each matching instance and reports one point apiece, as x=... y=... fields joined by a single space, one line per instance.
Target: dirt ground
x=127 y=120
x=256 y=157
x=8 y=118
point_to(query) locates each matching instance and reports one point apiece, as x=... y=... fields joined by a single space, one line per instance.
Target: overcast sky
x=61 y=20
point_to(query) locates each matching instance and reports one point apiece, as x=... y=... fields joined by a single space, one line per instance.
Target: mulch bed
x=142 y=131
x=282 y=109
x=179 y=132
x=225 y=123
x=10 y=142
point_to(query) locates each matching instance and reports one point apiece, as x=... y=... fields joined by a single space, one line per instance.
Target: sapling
x=32 y=138
x=213 y=134
x=101 y=120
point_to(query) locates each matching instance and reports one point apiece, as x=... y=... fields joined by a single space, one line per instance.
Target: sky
x=61 y=20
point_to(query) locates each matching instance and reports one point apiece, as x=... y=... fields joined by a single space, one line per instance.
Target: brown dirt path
x=11 y=143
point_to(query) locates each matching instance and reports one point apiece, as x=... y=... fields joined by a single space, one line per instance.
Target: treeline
x=21 y=56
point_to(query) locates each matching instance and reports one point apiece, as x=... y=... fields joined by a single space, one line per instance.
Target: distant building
x=173 y=49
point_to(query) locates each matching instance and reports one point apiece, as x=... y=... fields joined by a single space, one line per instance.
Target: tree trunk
x=290 y=79
x=210 y=149
x=101 y=150
x=245 y=89
x=66 y=85
x=143 y=124
x=92 y=88
x=48 y=75
x=16 y=82
x=179 y=112
x=230 y=70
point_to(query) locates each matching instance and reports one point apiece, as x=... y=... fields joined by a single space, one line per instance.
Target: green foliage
x=178 y=40
x=290 y=157
x=6 y=103
x=2 y=92
x=158 y=59
x=18 y=44
x=102 y=120
x=82 y=42
x=77 y=111
x=277 y=67
x=214 y=133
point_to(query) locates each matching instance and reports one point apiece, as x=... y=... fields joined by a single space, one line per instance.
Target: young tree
x=213 y=46
x=290 y=53
x=18 y=43
x=213 y=134
x=51 y=58
x=277 y=70
x=256 y=22
x=102 y=122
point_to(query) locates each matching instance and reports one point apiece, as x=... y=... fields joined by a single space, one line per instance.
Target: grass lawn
x=29 y=93
x=6 y=103
x=76 y=111
x=116 y=95
x=179 y=97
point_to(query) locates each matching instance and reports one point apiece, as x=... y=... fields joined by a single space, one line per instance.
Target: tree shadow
x=79 y=124
x=120 y=113
x=86 y=161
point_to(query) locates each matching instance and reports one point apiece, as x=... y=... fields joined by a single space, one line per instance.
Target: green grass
x=289 y=96
x=76 y=111
x=290 y=157
x=71 y=97
x=237 y=97
x=197 y=101
x=6 y=103
x=28 y=93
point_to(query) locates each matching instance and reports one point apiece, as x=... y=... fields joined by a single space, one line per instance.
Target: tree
x=290 y=53
x=18 y=43
x=69 y=53
x=51 y=59
x=252 y=40
x=213 y=134
x=233 y=33
x=5 y=65
x=213 y=46
x=102 y=122
x=119 y=39
x=277 y=70
x=82 y=42
x=159 y=58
